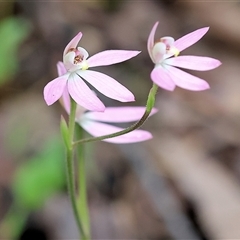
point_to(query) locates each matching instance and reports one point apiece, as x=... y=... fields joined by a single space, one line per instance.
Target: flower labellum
x=76 y=63
x=166 y=73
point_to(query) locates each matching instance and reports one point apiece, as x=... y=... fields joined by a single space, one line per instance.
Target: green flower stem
x=82 y=199
x=71 y=123
x=149 y=107
x=70 y=169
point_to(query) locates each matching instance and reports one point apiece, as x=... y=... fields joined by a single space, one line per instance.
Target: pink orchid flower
x=165 y=74
x=91 y=122
x=76 y=62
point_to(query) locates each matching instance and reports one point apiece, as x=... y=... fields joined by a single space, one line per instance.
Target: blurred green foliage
x=12 y=33
x=38 y=178
x=35 y=181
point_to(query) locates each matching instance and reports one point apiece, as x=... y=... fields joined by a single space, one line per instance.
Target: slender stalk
x=71 y=123
x=149 y=107
x=82 y=199
x=70 y=169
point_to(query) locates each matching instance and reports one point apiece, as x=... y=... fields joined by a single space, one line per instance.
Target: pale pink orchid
x=165 y=74
x=76 y=62
x=95 y=123
x=92 y=122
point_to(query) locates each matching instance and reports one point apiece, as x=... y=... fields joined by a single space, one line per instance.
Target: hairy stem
x=70 y=169
x=82 y=199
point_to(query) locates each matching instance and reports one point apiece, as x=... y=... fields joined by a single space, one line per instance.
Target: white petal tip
x=171 y=90
x=218 y=64
x=204 y=28
x=136 y=136
x=128 y=100
x=50 y=101
x=49 y=104
x=154 y=110
x=146 y=136
x=201 y=88
x=205 y=87
x=135 y=53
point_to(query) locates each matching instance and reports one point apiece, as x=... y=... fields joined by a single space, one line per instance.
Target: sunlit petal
x=83 y=95
x=186 y=80
x=162 y=78
x=111 y=57
x=189 y=39
x=119 y=114
x=65 y=100
x=107 y=86
x=54 y=89
x=193 y=62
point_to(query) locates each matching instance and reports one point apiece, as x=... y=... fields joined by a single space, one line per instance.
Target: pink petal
x=73 y=43
x=61 y=69
x=186 y=80
x=65 y=100
x=83 y=95
x=189 y=39
x=107 y=85
x=150 y=42
x=119 y=114
x=54 y=89
x=110 y=57
x=97 y=129
x=162 y=78
x=193 y=62
x=66 y=103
